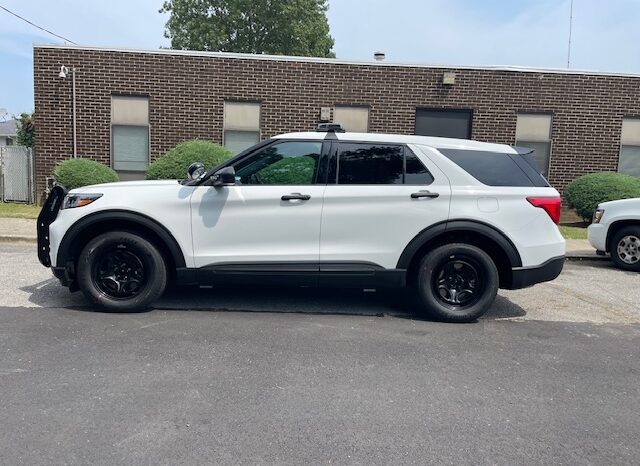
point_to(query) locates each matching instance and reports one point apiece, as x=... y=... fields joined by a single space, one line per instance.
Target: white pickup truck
x=616 y=230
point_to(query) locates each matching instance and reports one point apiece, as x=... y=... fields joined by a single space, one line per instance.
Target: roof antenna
x=570 y=31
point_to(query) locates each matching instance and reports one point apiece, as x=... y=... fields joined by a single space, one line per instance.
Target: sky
x=532 y=33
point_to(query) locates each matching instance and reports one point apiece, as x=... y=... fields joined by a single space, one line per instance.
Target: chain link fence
x=17 y=179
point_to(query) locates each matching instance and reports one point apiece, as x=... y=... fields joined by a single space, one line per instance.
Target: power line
x=35 y=25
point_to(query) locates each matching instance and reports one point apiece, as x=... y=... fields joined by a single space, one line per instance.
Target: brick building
x=134 y=105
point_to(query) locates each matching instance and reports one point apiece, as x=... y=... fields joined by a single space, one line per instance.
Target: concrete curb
x=587 y=257
x=18 y=239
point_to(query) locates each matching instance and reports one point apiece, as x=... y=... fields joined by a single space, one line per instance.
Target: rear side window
x=415 y=172
x=490 y=168
x=370 y=164
x=378 y=164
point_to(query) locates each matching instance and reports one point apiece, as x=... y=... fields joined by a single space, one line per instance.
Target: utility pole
x=570 y=30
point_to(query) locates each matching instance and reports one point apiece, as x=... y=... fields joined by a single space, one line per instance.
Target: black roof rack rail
x=330 y=128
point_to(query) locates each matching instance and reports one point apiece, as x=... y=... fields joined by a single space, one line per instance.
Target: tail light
x=551 y=205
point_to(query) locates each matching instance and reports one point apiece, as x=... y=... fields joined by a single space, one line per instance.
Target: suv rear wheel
x=457 y=282
x=625 y=248
x=121 y=271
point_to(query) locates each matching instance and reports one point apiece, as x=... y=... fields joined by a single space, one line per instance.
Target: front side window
x=360 y=163
x=285 y=163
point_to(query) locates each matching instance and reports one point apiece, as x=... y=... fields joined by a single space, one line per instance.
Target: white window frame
x=129 y=123
x=353 y=107
x=537 y=139
x=629 y=138
x=226 y=126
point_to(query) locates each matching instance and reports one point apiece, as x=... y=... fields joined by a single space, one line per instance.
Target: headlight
x=597 y=215
x=72 y=201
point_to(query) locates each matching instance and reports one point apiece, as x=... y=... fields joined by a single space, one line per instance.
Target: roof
x=335 y=61
x=436 y=143
x=9 y=128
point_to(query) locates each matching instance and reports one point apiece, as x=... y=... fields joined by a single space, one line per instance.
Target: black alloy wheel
x=121 y=271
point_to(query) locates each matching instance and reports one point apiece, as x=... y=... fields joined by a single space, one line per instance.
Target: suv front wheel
x=456 y=282
x=625 y=248
x=121 y=271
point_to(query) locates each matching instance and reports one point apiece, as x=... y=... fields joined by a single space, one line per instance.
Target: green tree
x=26 y=130
x=277 y=27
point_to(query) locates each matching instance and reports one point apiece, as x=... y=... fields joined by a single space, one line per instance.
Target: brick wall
x=186 y=95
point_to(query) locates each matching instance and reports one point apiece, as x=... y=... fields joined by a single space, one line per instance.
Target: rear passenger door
x=378 y=198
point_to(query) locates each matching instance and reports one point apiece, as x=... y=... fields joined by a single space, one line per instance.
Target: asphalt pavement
x=318 y=377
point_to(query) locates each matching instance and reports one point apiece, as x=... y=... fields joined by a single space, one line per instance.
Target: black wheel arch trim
x=475 y=226
x=66 y=245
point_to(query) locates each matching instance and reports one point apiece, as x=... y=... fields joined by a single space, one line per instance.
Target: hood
x=630 y=203
x=125 y=185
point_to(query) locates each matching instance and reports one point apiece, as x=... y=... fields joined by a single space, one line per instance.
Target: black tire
x=456 y=272
x=121 y=272
x=625 y=248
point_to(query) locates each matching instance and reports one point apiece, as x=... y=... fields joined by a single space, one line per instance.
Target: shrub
x=585 y=193
x=74 y=173
x=173 y=165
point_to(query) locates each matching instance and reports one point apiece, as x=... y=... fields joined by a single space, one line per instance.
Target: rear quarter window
x=491 y=168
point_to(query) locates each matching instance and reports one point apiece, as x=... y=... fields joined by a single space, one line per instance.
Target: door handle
x=425 y=193
x=295 y=197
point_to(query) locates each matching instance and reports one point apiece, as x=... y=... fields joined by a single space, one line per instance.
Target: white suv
x=616 y=230
x=452 y=219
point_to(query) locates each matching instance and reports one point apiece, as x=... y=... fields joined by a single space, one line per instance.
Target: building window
x=241 y=125
x=352 y=119
x=629 y=162
x=533 y=130
x=130 y=136
x=444 y=123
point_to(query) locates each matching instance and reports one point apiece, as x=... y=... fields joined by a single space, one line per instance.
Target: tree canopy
x=26 y=130
x=277 y=27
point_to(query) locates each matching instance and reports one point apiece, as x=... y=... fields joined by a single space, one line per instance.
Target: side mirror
x=224 y=177
x=195 y=171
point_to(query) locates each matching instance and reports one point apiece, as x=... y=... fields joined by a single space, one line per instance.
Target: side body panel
x=374 y=223
x=166 y=202
x=240 y=224
x=536 y=237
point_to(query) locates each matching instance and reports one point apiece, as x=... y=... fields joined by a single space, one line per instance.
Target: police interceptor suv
x=451 y=220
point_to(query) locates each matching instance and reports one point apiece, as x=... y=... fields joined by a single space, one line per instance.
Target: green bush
x=585 y=193
x=173 y=165
x=75 y=173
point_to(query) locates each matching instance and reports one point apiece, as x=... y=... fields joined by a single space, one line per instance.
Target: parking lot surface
x=291 y=376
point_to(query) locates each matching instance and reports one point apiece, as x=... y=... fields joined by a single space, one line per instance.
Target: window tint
x=370 y=164
x=286 y=163
x=490 y=168
x=415 y=172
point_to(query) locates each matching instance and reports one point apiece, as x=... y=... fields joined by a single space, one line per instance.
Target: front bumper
x=522 y=277
x=597 y=236
x=47 y=216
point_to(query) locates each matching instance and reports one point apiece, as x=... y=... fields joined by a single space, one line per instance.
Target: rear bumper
x=522 y=277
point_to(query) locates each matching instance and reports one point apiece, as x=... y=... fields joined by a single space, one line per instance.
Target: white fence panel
x=16 y=174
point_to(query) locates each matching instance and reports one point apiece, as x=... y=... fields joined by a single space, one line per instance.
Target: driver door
x=269 y=220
